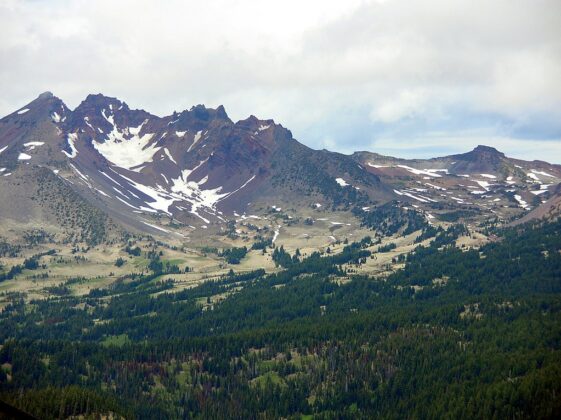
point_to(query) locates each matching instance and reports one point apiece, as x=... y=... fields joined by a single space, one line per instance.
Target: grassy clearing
x=116 y=340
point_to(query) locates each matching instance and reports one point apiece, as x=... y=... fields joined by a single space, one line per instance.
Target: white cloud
x=303 y=63
x=405 y=104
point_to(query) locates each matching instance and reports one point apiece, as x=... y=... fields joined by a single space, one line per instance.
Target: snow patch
x=341 y=182
x=169 y=155
x=125 y=203
x=101 y=192
x=123 y=152
x=24 y=156
x=71 y=138
x=276 y=235
x=199 y=198
x=407 y=194
x=155 y=227
x=195 y=140
x=55 y=117
x=3 y=148
x=521 y=202
x=436 y=187
x=428 y=172
x=162 y=199
x=33 y=144
x=107 y=176
x=484 y=184
x=87 y=121
x=533 y=176
x=542 y=173
x=84 y=177
x=23 y=111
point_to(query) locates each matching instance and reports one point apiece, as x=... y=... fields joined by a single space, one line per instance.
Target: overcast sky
x=403 y=77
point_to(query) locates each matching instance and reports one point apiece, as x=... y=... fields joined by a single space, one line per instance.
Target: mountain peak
x=201 y=112
x=47 y=98
x=487 y=149
x=46 y=105
x=46 y=95
x=99 y=99
x=199 y=117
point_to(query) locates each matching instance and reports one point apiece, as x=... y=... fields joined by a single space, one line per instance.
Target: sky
x=408 y=78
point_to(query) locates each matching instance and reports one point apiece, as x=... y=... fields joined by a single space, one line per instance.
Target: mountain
x=481 y=183
x=193 y=168
x=113 y=166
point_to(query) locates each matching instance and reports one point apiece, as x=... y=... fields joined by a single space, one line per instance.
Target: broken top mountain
x=199 y=168
x=196 y=166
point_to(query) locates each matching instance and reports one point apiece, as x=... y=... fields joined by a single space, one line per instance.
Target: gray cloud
x=396 y=76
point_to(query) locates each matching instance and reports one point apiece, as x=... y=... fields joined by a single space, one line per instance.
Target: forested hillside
x=454 y=334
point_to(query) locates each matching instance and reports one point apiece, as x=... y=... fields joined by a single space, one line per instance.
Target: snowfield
x=126 y=152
